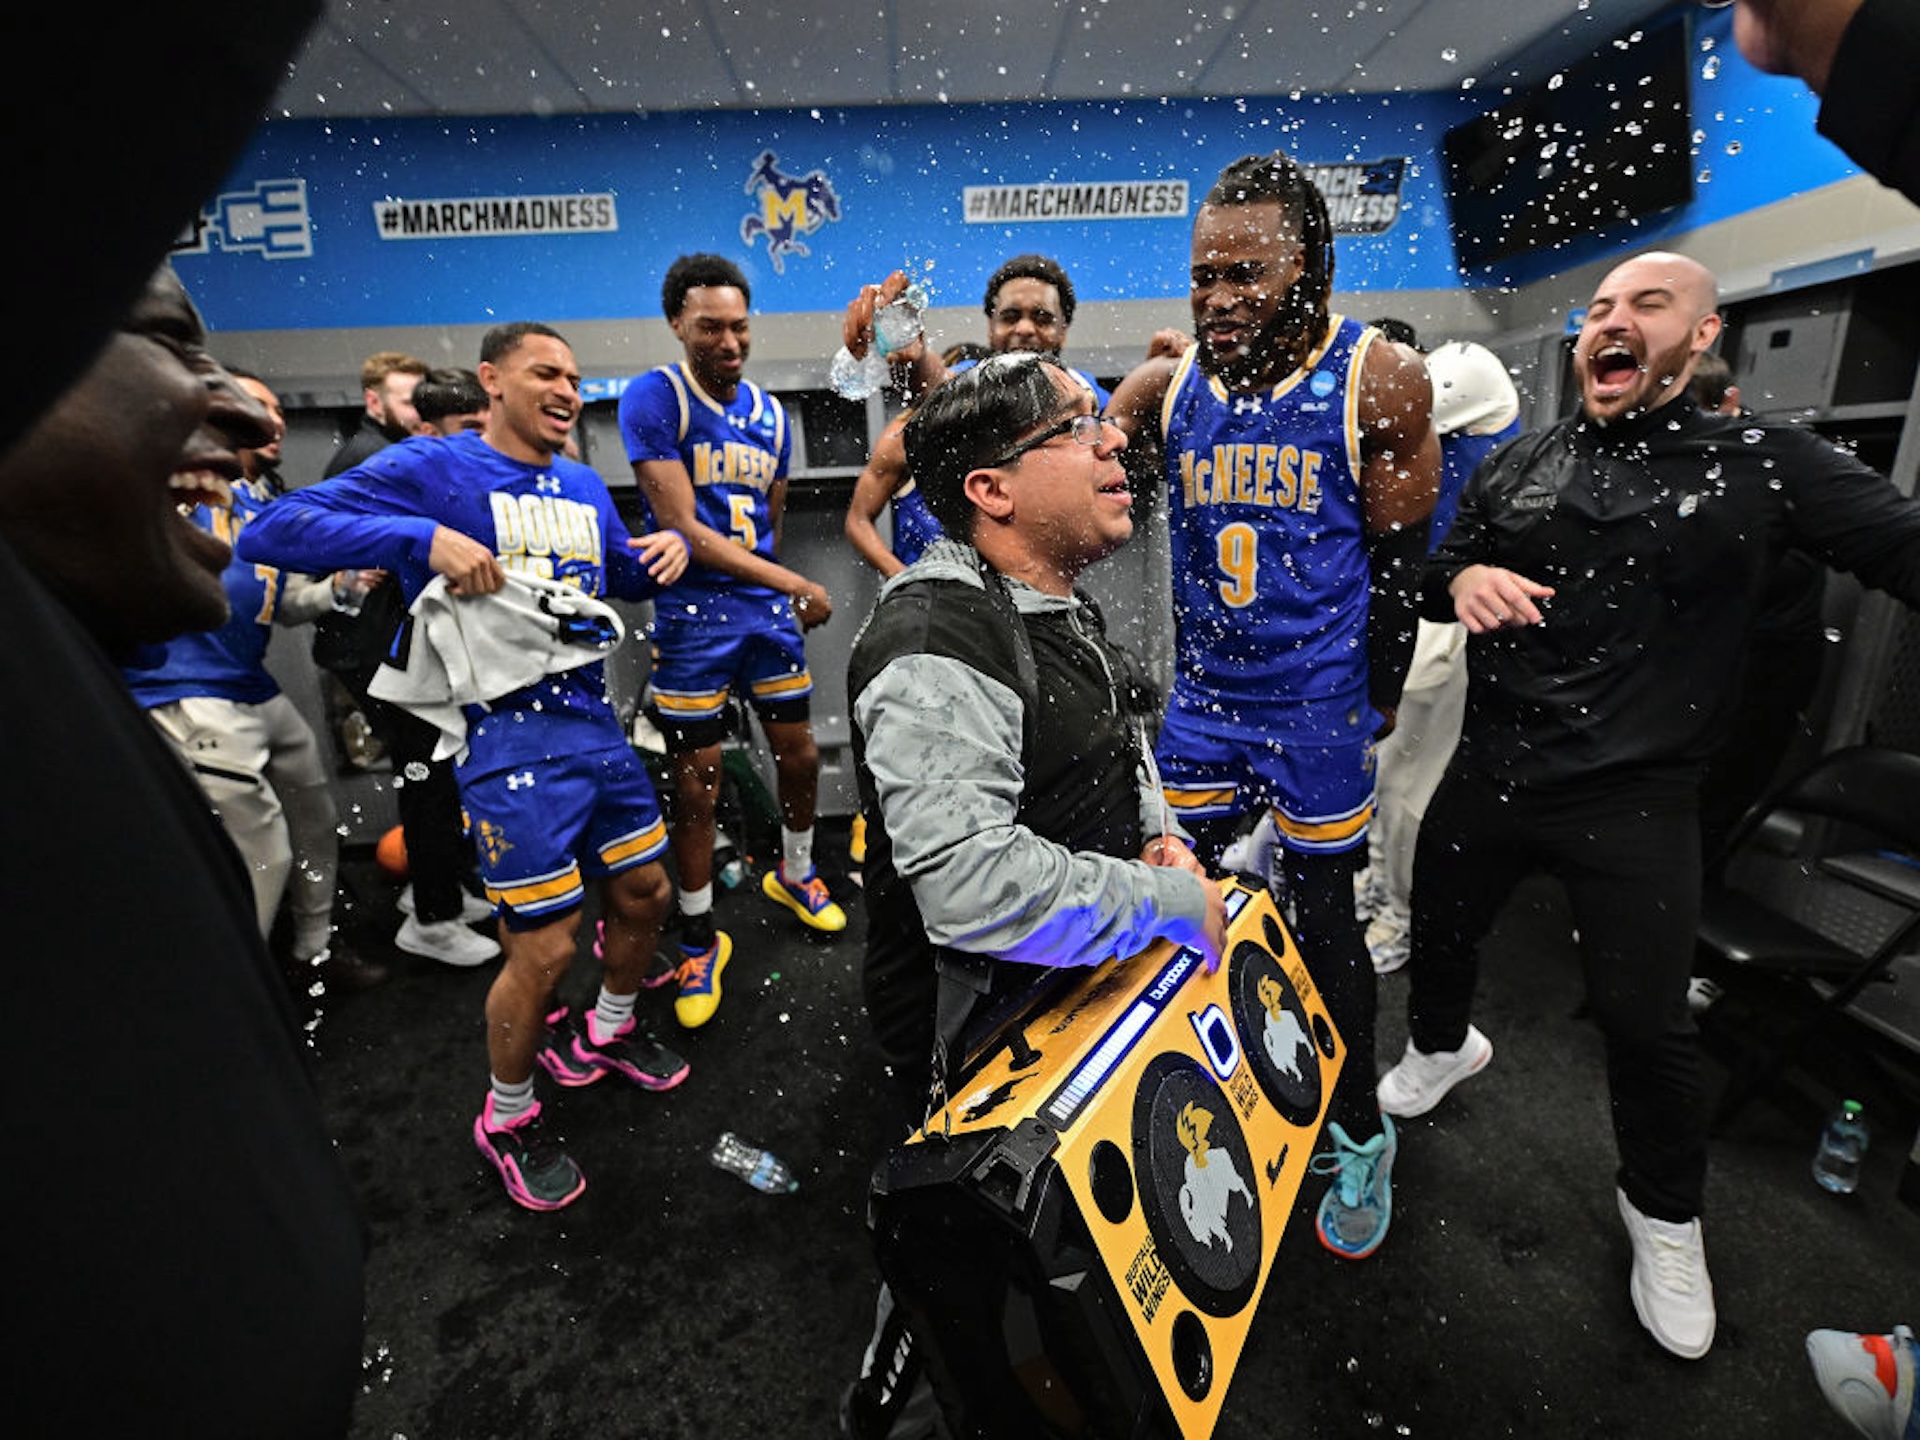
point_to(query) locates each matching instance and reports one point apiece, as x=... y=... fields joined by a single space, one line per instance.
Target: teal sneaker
x=1358 y=1205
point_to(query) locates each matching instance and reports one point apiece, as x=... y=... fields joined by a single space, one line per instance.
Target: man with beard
x=1301 y=467
x=1609 y=570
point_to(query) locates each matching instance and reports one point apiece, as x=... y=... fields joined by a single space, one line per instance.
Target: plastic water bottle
x=761 y=1169
x=896 y=325
x=350 y=590
x=853 y=379
x=728 y=866
x=1843 y=1145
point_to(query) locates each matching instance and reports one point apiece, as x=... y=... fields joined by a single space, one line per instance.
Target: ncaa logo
x=1322 y=383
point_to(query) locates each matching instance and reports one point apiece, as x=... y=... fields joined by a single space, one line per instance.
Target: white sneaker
x=1369 y=893
x=1388 y=942
x=448 y=941
x=1671 y=1292
x=1420 y=1082
x=473 y=909
x=1869 y=1380
x=1252 y=853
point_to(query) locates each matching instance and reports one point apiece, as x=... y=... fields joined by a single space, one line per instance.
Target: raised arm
x=1135 y=409
x=873 y=491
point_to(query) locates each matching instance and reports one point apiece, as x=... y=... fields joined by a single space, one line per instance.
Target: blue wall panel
x=294 y=240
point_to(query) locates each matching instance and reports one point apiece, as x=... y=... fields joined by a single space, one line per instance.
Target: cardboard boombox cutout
x=1080 y=1238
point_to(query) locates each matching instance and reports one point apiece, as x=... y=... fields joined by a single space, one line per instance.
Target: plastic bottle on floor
x=1843 y=1146
x=761 y=1169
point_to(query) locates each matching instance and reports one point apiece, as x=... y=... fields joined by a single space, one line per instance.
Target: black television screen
x=1608 y=139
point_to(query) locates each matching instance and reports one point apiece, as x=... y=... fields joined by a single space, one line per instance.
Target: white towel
x=472 y=649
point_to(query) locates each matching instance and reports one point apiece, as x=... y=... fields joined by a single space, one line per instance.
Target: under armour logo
x=1246 y=405
x=548 y=484
x=521 y=781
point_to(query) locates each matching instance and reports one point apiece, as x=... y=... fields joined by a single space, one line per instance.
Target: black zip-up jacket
x=1659 y=534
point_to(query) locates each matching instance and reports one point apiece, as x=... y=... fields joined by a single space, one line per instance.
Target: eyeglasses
x=1086 y=430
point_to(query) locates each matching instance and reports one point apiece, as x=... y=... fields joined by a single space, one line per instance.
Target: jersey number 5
x=742 y=528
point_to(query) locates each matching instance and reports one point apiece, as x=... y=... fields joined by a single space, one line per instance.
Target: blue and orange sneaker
x=807 y=898
x=536 y=1170
x=1358 y=1205
x=699 y=976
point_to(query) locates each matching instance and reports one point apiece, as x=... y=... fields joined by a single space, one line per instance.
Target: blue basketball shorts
x=695 y=671
x=1320 y=790
x=541 y=828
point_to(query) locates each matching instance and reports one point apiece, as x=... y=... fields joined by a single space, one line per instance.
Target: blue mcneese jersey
x=555 y=520
x=1460 y=456
x=734 y=454
x=228 y=663
x=914 y=527
x=1270 y=571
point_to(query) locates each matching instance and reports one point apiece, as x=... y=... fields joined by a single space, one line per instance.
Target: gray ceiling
x=486 y=57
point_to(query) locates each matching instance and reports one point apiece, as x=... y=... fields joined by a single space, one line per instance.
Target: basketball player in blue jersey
x=247 y=745
x=554 y=791
x=710 y=451
x=1300 y=465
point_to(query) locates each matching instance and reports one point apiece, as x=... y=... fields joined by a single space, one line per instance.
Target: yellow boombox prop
x=1080 y=1238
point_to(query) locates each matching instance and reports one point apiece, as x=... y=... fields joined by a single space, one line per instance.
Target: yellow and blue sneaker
x=807 y=898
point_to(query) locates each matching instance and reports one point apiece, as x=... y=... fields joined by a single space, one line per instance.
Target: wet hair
x=1712 y=378
x=968 y=419
x=1398 y=331
x=962 y=351
x=449 y=390
x=504 y=339
x=1253 y=179
x=1032 y=267
x=375 y=369
x=691 y=272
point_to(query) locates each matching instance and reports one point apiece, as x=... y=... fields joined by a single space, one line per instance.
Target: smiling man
x=1015 y=823
x=710 y=450
x=555 y=793
x=1608 y=570
x=1300 y=467
x=201 y=1209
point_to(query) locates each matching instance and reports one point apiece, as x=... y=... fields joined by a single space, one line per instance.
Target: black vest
x=1080 y=751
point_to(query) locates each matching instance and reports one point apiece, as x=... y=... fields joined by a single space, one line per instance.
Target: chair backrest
x=1869 y=786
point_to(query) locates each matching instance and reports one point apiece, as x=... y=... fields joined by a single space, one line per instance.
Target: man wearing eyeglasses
x=1007 y=837
x=1301 y=467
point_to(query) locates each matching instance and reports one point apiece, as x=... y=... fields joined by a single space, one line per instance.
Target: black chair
x=1819 y=886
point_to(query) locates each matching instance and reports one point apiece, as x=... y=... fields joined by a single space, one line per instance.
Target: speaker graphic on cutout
x=1084 y=1232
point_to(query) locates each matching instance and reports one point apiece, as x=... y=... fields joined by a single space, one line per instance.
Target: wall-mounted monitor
x=1607 y=140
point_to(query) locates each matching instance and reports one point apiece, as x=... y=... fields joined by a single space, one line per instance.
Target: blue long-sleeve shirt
x=555 y=520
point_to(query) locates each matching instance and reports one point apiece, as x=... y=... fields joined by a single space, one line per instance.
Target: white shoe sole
x=426 y=951
x=1475 y=1051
